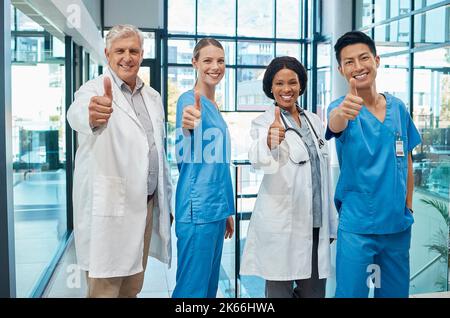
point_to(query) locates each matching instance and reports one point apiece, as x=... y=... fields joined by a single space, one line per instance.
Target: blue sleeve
x=328 y=133
x=413 y=134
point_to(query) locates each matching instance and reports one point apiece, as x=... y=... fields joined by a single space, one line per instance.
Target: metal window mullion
x=165 y=59
x=237 y=243
x=7 y=239
x=313 y=82
x=411 y=60
x=275 y=36
x=70 y=134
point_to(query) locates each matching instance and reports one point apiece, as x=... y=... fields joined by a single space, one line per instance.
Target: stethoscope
x=302 y=112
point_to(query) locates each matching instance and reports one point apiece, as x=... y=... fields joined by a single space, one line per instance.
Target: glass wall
x=39 y=152
x=418 y=72
x=252 y=33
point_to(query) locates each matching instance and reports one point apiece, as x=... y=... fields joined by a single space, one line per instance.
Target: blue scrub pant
x=199 y=248
x=382 y=259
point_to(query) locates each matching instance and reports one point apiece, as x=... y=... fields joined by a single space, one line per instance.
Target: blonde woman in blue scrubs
x=204 y=202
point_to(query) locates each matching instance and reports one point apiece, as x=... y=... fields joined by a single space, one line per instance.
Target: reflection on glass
x=12 y=15
x=255 y=53
x=363 y=11
x=218 y=24
x=181 y=17
x=180 y=51
x=225 y=91
x=29 y=49
x=250 y=96
x=386 y=9
x=419 y=4
x=239 y=125
x=179 y=80
x=149 y=45
x=288 y=19
x=39 y=152
x=394 y=70
x=393 y=36
x=230 y=52
x=24 y=23
x=247 y=182
x=93 y=69
x=289 y=49
x=255 y=18
x=144 y=75
x=431 y=170
x=324 y=54
x=429 y=26
x=323 y=92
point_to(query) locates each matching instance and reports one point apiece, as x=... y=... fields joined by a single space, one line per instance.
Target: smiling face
x=286 y=88
x=125 y=57
x=358 y=61
x=210 y=65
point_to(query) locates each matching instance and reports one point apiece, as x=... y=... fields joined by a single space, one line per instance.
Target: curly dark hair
x=280 y=63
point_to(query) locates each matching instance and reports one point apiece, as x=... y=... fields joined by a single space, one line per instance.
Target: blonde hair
x=123 y=31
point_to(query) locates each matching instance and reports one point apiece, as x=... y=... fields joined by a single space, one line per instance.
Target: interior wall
x=337 y=20
x=141 y=13
x=95 y=9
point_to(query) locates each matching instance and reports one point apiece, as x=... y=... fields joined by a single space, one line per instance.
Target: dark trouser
x=304 y=288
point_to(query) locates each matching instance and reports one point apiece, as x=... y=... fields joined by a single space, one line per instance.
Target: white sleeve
x=260 y=156
x=78 y=113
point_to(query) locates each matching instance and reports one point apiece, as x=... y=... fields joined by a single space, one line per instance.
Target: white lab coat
x=279 y=239
x=110 y=185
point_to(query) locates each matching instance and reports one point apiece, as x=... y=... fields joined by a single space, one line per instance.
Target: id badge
x=399 y=147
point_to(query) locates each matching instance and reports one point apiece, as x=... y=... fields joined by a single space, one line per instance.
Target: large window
x=39 y=151
x=416 y=69
x=252 y=33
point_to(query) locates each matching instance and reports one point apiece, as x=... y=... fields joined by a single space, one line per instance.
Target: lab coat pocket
x=108 y=196
x=274 y=213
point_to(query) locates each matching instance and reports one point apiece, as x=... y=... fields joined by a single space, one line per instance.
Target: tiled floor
x=67 y=283
x=159 y=280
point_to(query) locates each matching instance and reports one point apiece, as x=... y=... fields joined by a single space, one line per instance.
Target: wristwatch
x=411 y=210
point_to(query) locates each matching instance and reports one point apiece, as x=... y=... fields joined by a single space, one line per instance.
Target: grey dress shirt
x=307 y=137
x=138 y=104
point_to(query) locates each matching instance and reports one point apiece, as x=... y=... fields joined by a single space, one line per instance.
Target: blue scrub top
x=371 y=191
x=204 y=190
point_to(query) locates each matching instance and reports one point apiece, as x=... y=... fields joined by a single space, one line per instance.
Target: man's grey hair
x=121 y=31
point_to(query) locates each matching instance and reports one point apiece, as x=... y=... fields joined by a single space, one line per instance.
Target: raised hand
x=192 y=114
x=276 y=131
x=352 y=104
x=100 y=107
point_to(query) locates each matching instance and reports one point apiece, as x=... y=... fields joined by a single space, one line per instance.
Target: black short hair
x=353 y=37
x=278 y=64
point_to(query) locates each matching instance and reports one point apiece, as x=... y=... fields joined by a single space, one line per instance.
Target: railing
x=423 y=269
x=422 y=237
x=239 y=215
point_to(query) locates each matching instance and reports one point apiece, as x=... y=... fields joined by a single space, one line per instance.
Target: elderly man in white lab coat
x=121 y=191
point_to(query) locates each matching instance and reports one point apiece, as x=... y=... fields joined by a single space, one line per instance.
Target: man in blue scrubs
x=375 y=136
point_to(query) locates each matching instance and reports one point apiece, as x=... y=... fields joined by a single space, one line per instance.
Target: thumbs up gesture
x=192 y=114
x=100 y=107
x=352 y=104
x=276 y=131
